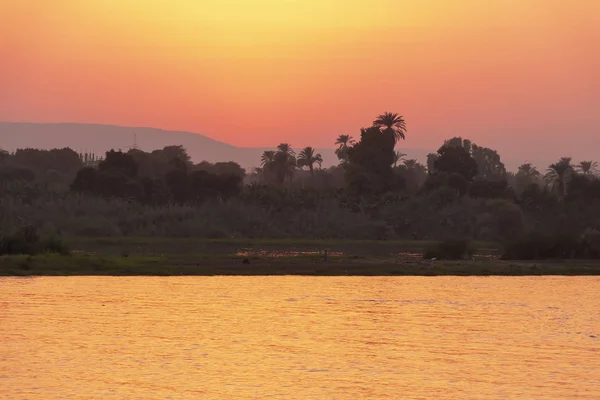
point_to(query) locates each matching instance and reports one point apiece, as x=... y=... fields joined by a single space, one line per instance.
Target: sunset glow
x=259 y=72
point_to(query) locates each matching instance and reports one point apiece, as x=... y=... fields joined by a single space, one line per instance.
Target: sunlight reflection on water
x=299 y=338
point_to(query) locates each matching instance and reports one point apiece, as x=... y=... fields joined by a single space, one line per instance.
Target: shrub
x=53 y=245
x=591 y=243
x=538 y=245
x=508 y=219
x=27 y=241
x=452 y=249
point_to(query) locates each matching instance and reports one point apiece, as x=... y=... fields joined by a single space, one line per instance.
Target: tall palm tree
x=528 y=170
x=308 y=158
x=343 y=142
x=392 y=123
x=410 y=164
x=588 y=167
x=267 y=158
x=286 y=148
x=526 y=176
x=280 y=163
x=283 y=166
x=558 y=175
x=398 y=156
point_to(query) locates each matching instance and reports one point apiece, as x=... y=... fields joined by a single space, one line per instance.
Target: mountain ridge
x=99 y=138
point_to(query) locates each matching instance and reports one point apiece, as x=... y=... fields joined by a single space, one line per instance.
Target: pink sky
x=520 y=76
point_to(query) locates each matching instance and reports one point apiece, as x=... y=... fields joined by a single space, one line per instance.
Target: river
x=300 y=338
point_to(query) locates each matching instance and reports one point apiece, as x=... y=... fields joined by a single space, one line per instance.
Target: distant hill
x=99 y=138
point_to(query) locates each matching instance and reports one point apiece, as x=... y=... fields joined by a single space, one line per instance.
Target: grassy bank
x=302 y=264
x=265 y=247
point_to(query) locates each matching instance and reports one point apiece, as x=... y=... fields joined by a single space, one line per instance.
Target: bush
x=452 y=249
x=591 y=243
x=27 y=241
x=508 y=220
x=538 y=245
x=53 y=245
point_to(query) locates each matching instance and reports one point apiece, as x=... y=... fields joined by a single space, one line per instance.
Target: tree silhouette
x=558 y=174
x=267 y=158
x=170 y=152
x=528 y=170
x=454 y=159
x=120 y=162
x=588 y=167
x=286 y=148
x=413 y=172
x=413 y=164
x=526 y=175
x=398 y=156
x=283 y=166
x=343 y=142
x=279 y=164
x=4 y=155
x=393 y=124
x=65 y=160
x=431 y=157
x=308 y=158
x=227 y=168
x=85 y=180
x=489 y=165
x=458 y=141
x=369 y=169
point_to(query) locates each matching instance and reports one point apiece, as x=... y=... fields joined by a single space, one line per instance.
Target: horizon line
x=177 y=131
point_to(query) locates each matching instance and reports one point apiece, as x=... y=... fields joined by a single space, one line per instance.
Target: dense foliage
x=464 y=192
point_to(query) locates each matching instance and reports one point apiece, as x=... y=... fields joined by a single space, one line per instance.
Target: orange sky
x=259 y=72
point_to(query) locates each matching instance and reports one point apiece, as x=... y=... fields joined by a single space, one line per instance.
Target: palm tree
x=267 y=158
x=343 y=142
x=280 y=163
x=410 y=164
x=588 y=167
x=308 y=158
x=558 y=175
x=283 y=166
x=528 y=170
x=398 y=156
x=285 y=148
x=391 y=123
x=414 y=165
x=526 y=176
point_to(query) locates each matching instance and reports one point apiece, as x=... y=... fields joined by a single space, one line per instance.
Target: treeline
x=159 y=178
x=463 y=191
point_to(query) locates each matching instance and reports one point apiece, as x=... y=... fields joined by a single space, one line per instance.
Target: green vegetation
x=228 y=246
x=374 y=205
x=313 y=264
x=451 y=249
x=27 y=241
x=207 y=257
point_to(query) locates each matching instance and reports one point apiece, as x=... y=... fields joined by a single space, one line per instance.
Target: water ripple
x=299 y=338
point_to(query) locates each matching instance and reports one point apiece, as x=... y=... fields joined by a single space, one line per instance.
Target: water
x=299 y=338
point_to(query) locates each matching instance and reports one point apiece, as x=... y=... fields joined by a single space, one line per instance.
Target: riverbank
x=162 y=265
x=256 y=247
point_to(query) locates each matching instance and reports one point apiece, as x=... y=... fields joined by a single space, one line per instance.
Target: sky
x=520 y=76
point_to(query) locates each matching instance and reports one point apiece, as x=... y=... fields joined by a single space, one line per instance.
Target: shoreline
x=101 y=265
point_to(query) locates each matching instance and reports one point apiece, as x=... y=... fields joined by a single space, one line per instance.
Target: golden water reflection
x=299 y=338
